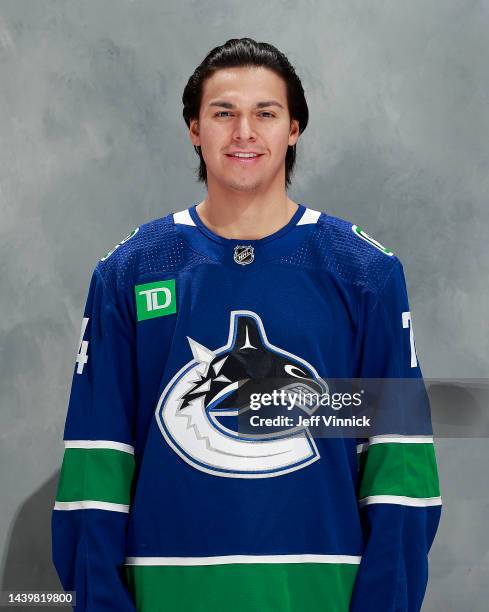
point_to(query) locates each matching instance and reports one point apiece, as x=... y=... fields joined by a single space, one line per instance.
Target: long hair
x=237 y=52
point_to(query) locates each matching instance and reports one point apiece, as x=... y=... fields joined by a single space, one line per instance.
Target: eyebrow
x=262 y=104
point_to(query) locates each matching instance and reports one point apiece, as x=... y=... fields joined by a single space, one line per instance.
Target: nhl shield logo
x=243 y=254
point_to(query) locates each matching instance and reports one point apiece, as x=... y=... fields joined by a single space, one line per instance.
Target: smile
x=245 y=159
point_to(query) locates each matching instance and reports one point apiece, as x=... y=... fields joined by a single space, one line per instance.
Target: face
x=244 y=110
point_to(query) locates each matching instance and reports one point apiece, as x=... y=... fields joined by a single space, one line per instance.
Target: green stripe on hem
x=394 y=468
x=243 y=587
x=96 y=474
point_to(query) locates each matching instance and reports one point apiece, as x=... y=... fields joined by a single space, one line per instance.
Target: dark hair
x=246 y=52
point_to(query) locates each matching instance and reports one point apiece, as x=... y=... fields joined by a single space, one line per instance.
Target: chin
x=243 y=185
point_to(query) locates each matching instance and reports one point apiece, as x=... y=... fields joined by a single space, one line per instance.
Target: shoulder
x=150 y=247
x=350 y=253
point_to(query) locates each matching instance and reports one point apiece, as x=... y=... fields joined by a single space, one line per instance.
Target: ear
x=194 y=132
x=294 y=132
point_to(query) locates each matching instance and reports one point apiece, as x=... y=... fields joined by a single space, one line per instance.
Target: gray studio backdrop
x=93 y=144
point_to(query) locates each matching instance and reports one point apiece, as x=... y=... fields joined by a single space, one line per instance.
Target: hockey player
x=162 y=503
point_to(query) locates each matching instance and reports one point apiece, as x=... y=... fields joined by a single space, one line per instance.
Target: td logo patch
x=155 y=299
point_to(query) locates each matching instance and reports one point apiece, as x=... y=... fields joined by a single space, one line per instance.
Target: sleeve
x=90 y=514
x=397 y=488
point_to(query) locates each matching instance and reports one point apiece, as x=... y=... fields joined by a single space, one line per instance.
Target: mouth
x=245 y=161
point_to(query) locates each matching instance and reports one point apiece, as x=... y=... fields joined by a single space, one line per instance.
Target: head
x=220 y=108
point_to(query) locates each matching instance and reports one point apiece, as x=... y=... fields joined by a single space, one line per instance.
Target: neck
x=249 y=218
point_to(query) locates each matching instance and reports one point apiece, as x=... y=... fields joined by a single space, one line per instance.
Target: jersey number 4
x=82 y=356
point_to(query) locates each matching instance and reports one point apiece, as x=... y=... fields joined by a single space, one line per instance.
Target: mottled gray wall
x=93 y=144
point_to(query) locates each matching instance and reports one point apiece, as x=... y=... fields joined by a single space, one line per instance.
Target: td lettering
x=155 y=299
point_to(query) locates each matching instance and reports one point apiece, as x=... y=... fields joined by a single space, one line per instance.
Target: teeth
x=245 y=155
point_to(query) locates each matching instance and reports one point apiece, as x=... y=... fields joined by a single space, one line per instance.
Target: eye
x=221 y=113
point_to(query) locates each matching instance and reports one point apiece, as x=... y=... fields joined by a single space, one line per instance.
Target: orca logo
x=217 y=383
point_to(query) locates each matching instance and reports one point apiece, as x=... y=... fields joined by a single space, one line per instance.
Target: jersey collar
x=244 y=256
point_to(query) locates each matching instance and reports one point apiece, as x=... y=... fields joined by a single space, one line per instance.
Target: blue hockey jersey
x=162 y=506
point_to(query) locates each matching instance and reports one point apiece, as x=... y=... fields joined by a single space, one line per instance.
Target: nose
x=244 y=129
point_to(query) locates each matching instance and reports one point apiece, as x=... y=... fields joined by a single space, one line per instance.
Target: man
x=163 y=503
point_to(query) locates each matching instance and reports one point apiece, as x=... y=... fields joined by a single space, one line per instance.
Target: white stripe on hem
x=226 y=559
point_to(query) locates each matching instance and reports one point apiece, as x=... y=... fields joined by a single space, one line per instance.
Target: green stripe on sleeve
x=393 y=468
x=96 y=474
